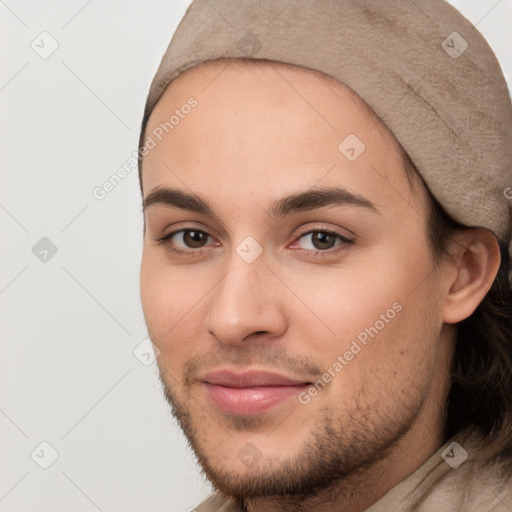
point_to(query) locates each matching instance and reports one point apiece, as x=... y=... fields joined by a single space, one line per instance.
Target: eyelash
x=330 y=252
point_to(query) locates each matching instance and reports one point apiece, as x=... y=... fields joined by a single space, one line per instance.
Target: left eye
x=323 y=240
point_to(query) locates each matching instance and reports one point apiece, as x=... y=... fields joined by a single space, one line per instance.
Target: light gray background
x=69 y=326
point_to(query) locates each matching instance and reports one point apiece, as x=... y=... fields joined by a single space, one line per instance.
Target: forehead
x=270 y=124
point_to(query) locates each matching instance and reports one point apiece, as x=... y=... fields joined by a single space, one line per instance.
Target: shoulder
x=474 y=484
x=477 y=487
x=456 y=478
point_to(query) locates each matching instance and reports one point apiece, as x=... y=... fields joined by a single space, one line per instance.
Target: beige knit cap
x=424 y=69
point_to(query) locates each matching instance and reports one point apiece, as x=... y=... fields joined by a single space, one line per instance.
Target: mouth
x=250 y=393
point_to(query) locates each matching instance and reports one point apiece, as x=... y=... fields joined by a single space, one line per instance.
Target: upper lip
x=250 y=378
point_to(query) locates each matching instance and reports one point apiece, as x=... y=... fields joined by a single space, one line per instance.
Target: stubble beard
x=339 y=449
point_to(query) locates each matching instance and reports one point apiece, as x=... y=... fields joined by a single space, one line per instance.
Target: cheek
x=163 y=297
x=373 y=315
x=171 y=302
x=153 y=287
x=339 y=303
x=373 y=361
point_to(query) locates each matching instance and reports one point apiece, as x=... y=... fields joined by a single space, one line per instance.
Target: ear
x=476 y=263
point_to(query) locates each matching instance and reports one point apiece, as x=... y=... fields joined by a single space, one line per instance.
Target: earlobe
x=478 y=261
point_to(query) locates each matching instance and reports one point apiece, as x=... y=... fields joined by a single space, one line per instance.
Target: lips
x=250 y=393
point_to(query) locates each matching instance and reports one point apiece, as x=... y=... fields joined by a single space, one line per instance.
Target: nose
x=246 y=303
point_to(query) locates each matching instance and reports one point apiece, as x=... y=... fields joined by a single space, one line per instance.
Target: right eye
x=192 y=241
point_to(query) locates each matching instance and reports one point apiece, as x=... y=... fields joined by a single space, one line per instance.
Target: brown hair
x=481 y=375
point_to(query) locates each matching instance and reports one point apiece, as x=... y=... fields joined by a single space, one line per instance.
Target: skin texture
x=257 y=134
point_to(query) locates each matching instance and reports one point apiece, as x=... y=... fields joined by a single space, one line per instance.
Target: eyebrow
x=299 y=201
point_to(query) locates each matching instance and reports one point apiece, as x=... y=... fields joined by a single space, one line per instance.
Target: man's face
x=339 y=298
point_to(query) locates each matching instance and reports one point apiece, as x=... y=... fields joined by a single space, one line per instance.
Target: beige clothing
x=435 y=486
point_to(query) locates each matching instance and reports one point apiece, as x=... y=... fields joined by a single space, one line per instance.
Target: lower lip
x=250 y=401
